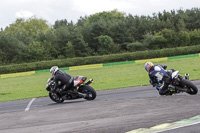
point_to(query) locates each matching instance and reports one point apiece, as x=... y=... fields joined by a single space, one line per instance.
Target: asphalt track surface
x=113 y=111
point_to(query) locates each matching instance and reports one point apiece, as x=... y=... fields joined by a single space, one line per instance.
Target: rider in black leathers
x=63 y=80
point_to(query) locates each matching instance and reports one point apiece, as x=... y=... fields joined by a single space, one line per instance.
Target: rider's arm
x=152 y=83
x=55 y=78
x=152 y=80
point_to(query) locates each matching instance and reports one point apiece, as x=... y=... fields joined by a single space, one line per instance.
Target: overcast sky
x=52 y=10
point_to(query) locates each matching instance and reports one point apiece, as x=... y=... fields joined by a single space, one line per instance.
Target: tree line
x=102 y=33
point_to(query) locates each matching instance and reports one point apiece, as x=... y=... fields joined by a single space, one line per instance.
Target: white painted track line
x=177 y=127
x=29 y=105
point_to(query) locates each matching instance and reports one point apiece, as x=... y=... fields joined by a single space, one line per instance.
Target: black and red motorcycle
x=79 y=90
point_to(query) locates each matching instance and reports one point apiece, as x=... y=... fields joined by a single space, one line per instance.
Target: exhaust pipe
x=187 y=76
x=89 y=82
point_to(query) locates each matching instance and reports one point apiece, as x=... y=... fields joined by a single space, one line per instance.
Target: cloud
x=91 y=6
x=24 y=14
x=52 y=10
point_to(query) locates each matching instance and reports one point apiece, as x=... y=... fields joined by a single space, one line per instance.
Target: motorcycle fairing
x=159 y=72
x=78 y=80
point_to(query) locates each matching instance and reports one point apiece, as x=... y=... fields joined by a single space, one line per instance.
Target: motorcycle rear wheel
x=54 y=97
x=86 y=89
x=192 y=89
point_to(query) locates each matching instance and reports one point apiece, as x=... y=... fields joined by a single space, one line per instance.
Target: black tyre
x=86 y=89
x=192 y=89
x=54 y=97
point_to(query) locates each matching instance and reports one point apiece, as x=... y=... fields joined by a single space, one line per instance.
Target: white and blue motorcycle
x=179 y=84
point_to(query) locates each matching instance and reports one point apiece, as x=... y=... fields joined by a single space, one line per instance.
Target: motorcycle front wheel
x=192 y=89
x=54 y=97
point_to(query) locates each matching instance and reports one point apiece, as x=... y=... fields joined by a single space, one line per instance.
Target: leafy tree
x=121 y=32
x=2 y=56
x=106 y=45
x=103 y=23
x=60 y=23
x=11 y=48
x=192 y=19
x=80 y=46
x=169 y=35
x=110 y=15
x=160 y=42
x=62 y=35
x=183 y=38
x=148 y=40
x=36 y=51
x=195 y=37
x=69 y=50
x=40 y=36
x=26 y=30
x=135 y=46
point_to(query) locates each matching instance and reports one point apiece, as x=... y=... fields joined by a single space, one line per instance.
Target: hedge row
x=100 y=59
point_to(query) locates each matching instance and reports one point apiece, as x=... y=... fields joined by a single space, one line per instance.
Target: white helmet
x=53 y=70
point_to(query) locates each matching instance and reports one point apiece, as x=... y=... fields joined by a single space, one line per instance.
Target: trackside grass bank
x=109 y=77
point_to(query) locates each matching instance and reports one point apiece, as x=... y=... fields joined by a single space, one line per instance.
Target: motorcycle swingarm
x=182 y=89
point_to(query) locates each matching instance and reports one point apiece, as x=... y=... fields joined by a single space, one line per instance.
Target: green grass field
x=111 y=77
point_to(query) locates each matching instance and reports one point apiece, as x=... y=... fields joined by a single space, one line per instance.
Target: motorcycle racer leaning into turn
x=157 y=73
x=63 y=80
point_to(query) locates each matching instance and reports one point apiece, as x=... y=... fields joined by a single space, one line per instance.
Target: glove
x=48 y=88
x=164 y=66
